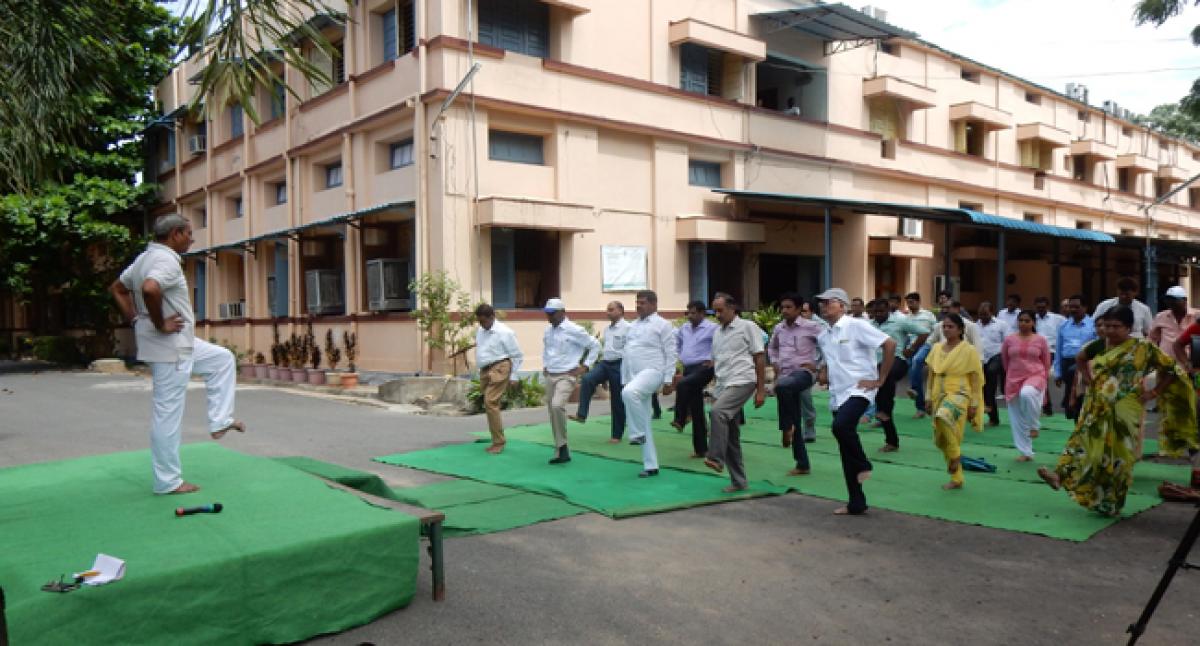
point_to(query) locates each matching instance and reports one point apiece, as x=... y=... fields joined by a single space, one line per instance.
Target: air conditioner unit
x=197 y=144
x=231 y=310
x=387 y=284
x=941 y=283
x=323 y=291
x=912 y=228
x=1111 y=107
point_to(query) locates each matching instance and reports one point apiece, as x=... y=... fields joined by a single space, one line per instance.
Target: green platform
x=288 y=558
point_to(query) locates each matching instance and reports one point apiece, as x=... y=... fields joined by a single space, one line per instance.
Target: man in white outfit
x=153 y=295
x=648 y=365
x=564 y=345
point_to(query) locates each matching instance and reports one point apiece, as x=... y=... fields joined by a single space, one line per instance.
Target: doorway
x=779 y=274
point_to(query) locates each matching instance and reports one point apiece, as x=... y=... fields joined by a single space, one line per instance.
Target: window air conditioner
x=387 y=284
x=323 y=289
x=197 y=144
x=912 y=228
x=941 y=283
x=231 y=310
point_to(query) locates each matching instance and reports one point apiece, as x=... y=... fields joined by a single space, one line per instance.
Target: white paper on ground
x=110 y=568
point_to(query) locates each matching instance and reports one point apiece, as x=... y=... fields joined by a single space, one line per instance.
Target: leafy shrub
x=530 y=392
x=57 y=349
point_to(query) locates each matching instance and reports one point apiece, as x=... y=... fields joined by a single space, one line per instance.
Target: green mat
x=353 y=478
x=908 y=481
x=610 y=487
x=288 y=558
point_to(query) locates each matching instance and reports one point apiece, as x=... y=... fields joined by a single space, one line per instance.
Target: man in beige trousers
x=564 y=346
x=499 y=359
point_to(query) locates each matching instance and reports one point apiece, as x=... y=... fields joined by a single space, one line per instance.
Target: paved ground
x=775 y=570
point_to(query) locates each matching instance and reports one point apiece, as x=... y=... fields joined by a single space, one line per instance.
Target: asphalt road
x=769 y=571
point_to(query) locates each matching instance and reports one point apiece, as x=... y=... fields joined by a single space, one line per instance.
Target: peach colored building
x=748 y=146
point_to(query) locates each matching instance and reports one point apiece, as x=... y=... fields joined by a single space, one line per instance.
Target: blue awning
x=921 y=212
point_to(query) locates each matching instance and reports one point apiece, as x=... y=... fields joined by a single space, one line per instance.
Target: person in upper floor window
x=499 y=358
x=1047 y=324
x=1127 y=291
x=793 y=353
x=991 y=337
x=607 y=371
x=909 y=334
x=1077 y=331
x=916 y=368
x=1012 y=309
x=693 y=345
x=568 y=351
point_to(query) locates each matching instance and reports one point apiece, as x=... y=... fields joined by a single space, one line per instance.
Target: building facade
x=746 y=146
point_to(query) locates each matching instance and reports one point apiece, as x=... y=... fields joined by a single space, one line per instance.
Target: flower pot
x=260 y=371
x=246 y=370
x=299 y=375
x=283 y=373
x=333 y=378
x=349 y=379
x=316 y=377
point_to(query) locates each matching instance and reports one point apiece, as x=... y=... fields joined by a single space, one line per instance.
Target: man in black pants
x=992 y=332
x=693 y=341
x=909 y=335
x=849 y=347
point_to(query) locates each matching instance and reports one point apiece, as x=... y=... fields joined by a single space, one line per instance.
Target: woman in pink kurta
x=1026 y=359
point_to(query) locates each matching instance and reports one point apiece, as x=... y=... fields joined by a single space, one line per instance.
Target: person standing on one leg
x=793 y=353
x=648 y=364
x=564 y=346
x=955 y=390
x=1027 y=362
x=916 y=368
x=694 y=346
x=499 y=359
x=909 y=334
x=992 y=332
x=607 y=371
x=740 y=369
x=153 y=295
x=1077 y=331
x=849 y=347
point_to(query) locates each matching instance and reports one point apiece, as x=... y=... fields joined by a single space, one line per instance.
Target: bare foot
x=799 y=472
x=1049 y=477
x=186 y=487
x=1033 y=434
x=888 y=448
x=1024 y=458
x=952 y=485
x=953 y=465
x=863 y=476
x=237 y=425
x=576 y=418
x=733 y=489
x=714 y=465
x=495 y=449
x=614 y=440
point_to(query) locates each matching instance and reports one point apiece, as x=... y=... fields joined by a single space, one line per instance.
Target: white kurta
x=648 y=364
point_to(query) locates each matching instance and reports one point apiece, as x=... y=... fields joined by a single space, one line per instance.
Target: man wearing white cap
x=564 y=345
x=648 y=365
x=1171 y=322
x=849 y=351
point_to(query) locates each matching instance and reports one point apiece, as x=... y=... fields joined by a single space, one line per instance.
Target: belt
x=495 y=363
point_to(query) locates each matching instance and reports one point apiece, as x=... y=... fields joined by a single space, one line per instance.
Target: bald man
x=607 y=371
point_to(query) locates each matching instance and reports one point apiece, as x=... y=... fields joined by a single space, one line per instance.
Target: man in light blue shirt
x=1078 y=330
x=564 y=345
x=693 y=343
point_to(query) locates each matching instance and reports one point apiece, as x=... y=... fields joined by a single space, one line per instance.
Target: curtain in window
x=693 y=68
x=388 y=19
x=885 y=118
x=521 y=26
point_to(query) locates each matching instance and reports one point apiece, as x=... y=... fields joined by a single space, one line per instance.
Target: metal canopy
x=921 y=212
x=839 y=26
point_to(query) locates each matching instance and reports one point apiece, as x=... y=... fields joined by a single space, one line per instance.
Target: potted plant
x=284 y=369
x=298 y=358
x=277 y=354
x=332 y=356
x=316 y=376
x=260 y=366
x=350 y=341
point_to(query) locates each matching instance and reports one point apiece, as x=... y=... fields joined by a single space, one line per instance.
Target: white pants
x=636 y=394
x=170 y=382
x=1024 y=415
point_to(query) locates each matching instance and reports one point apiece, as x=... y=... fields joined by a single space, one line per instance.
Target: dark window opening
x=700 y=69
x=525 y=271
x=704 y=173
x=521 y=26
x=516 y=147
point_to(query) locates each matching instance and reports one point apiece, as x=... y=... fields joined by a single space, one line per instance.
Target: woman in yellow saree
x=1096 y=466
x=954 y=387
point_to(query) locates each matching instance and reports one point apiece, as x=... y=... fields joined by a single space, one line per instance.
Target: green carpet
x=288 y=558
x=479 y=508
x=909 y=480
x=353 y=478
x=610 y=487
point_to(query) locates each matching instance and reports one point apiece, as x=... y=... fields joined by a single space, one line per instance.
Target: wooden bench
x=431 y=528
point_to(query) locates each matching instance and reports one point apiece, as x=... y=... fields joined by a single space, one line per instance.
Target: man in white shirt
x=1127 y=291
x=607 y=371
x=153 y=295
x=647 y=366
x=499 y=358
x=970 y=333
x=991 y=336
x=739 y=364
x=564 y=345
x=849 y=367
x=1012 y=309
x=1046 y=323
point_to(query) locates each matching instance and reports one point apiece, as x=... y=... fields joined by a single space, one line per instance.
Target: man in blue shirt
x=1076 y=332
x=694 y=345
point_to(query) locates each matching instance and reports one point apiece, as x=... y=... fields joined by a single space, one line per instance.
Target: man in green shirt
x=910 y=334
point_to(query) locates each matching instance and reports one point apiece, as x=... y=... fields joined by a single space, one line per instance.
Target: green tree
x=64 y=237
x=445 y=315
x=1169 y=119
x=1158 y=12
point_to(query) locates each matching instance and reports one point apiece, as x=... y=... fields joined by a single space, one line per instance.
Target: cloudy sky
x=1054 y=42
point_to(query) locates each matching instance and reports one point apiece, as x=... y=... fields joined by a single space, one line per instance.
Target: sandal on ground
x=714 y=465
x=237 y=425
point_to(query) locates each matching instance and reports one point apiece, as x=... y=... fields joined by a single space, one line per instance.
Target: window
x=237 y=207
x=1082 y=115
x=521 y=26
x=515 y=147
x=890 y=48
x=1081 y=168
x=1124 y=180
x=969 y=138
x=525 y=267
x=278 y=99
x=400 y=154
x=1195 y=156
x=704 y=173
x=1033 y=217
x=1033 y=98
x=390 y=50
x=170 y=160
x=235 y=121
x=1126 y=131
x=1194 y=198
x=280 y=192
x=201 y=219
x=1086 y=226
x=333 y=175
x=970 y=206
x=339 y=63
x=1162 y=186
x=700 y=69
x=969 y=75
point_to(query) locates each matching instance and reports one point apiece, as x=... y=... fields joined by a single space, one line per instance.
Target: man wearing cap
x=740 y=367
x=1170 y=323
x=648 y=365
x=1127 y=291
x=499 y=359
x=607 y=371
x=849 y=351
x=564 y=345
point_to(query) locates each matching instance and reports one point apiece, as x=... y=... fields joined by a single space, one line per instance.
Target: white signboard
x=624 y=268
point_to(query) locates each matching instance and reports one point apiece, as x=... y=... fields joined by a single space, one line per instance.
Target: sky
x=1054 y=42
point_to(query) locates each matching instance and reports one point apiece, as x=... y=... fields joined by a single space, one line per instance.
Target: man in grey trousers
x=740 y=365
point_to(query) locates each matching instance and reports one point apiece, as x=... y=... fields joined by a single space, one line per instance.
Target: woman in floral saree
x=1096 y=466
x=954 y=394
